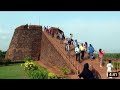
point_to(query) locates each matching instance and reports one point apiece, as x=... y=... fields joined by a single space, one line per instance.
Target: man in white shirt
x=109 y=68
x=77 y=51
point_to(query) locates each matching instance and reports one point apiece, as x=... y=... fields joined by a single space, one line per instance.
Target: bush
x=65 y=70
x=35 y=71
x=29 y=65
x=52 y=76
x=7 y=62
x=38 y=74
x=28 y=59
x=1 y=61
x=118 y=65
x=115 y=65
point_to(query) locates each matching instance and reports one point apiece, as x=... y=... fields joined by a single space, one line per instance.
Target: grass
x=12 y=71
x=112 y=55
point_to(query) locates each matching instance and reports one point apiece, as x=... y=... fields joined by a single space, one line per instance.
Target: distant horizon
x=99 y=28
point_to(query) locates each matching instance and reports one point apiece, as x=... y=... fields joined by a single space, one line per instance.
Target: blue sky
x=100 y=28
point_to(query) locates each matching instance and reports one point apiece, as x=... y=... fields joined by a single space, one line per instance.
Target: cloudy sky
x=100 y=28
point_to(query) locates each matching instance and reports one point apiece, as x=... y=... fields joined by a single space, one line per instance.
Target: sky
x=99 y=28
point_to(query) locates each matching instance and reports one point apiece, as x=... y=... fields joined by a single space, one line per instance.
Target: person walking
x=109 y=68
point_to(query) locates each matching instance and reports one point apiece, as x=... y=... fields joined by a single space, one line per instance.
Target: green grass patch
x=12 y=71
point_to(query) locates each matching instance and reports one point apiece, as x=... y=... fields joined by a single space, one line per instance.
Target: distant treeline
x=112 y=55
x=2 y=54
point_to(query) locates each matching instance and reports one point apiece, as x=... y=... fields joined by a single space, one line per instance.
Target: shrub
x=1 y=61
x=28 y=59
x=52 y=76
x=65 y=70
x=35 y=71
x=29 y=65
x=118 y=65
x=38 y=74
x=7 y=62
x=115 y=65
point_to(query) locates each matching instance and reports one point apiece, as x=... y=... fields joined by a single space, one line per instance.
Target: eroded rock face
x=34 y=43
x=26 y=42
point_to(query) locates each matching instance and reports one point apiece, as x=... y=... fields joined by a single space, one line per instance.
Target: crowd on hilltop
x=81 y=50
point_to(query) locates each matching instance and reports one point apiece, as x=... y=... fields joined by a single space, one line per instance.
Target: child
x=101 y=54
x=109 y=67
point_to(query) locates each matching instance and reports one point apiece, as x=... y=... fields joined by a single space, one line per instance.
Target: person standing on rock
x=77 y=51
x=82 y=51
x=101 y=54
x=47 y=30
x=44 y=28
x=91 y=51
x=63 y=36
x=71 y=38
x=60 y=35
x=75 y=43
x=109 y=68
x=52 y=33
x=67 y=46
x=86 y=73
x=65 y=42
x=86 y=47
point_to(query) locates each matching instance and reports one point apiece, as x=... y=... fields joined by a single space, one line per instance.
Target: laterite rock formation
x=26 y=42
x=32 y=42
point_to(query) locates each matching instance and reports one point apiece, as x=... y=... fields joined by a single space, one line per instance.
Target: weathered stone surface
x=34 y=43
x=26 y=42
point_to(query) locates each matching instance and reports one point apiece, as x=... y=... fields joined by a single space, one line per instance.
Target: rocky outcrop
x=26 y=42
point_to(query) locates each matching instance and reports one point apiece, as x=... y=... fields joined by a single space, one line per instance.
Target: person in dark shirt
x=86 y=73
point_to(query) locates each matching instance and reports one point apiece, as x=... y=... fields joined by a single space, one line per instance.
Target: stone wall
x=26 y=42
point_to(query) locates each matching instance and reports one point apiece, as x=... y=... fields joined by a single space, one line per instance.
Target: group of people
x=88 y=74
x=80 y=49
x=49 y=30
x=54 y=31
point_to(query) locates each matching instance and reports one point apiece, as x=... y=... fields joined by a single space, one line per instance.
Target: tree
x=2 y=54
